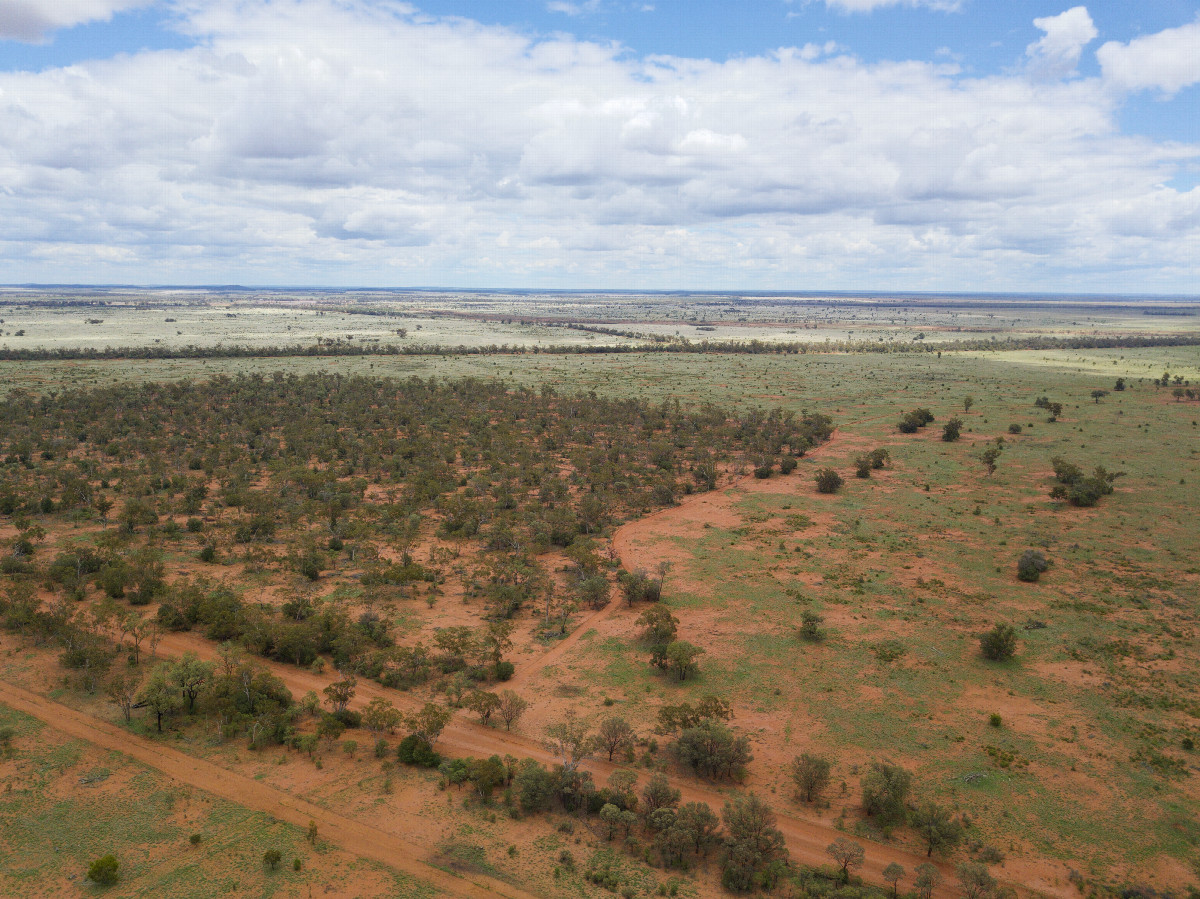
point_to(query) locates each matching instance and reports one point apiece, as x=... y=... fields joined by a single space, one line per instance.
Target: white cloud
x=318 y=141
x=32 y=20
x=872 y=5
x=573 y=9
x=1057 y=53
x=1168 y=60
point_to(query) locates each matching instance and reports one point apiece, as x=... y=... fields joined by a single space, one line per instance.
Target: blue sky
x=840 y=144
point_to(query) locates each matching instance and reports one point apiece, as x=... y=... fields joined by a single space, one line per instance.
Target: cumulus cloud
x=345 y=140
x=32 y=21
x=1167 y=61
x=1057 y=53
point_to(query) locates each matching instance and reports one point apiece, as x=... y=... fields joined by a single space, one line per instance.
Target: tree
x=486 y=775
x=848 y=854
x=381 y=716
x=139 y=629
x=428 y=724
x=952 y=430
x=885 y=790
x=893 y=874
x=752 y=844
x=511 y=708
x=103 y=506
x=937 y=827
x=810 y=773
x=989 y=455
x=190 y=675
x=1031 y=565
x=615 y=734
x=483 y=704
x=271 y=859
x=571 y=740
x=702 y=823
x=681 y=657
x=828 y=481
x=679 y=717
x=160 y=695
x=711 y=750
x=975 y=880
x=968 y=402
x=661 y=628
x=610 y=816
x=122 y=690
x=104 y=870
x=1098 y=395
x=928 y=877
x=1000 y=643
x=658 y=793
x=339 y=693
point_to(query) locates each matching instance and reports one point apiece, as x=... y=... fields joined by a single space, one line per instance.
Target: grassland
x=1088 y=767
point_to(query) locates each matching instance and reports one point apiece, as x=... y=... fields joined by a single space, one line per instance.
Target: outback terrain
x=584 y=595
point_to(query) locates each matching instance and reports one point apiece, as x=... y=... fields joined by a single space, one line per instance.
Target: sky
x=939 y=145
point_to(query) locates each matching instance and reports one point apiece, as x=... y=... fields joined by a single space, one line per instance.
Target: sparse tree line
x=650 y=344
x=239 y=697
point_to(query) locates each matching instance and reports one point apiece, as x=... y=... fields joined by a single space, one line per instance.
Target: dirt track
x=354 y=836
x=806 y=839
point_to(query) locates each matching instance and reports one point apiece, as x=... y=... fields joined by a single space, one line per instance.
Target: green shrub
x=104 y=870
x=828 y=481
x=1000 y=643
x=1031 y=565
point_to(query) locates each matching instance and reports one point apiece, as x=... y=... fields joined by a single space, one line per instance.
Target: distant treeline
x=670 y=345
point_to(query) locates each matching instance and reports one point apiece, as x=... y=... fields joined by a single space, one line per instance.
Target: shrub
x=828 y=481
x=104 y=870
x=1031 y=565
x=415 y=750
x=1000 y=643
x=810 y=626
x=504 y=670
x=994 y=720
x=787 y=465
x=952 y=430
x=1014 y=428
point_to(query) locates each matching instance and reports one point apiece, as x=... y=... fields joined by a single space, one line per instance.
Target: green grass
x=62 y=816
x=1124 y=571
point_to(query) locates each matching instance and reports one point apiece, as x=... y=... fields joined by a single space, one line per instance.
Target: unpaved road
x=806 y=839
x=353 y=836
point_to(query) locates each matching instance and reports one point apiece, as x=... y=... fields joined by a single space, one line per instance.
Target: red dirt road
x=353 y=836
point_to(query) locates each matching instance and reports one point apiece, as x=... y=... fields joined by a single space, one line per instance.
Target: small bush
x=952 y=430
x=1031 y=565
x=787 y=465
x=1000 y=643
x=413 y=750
x=994 y=720
x=104 y=870
x=1014 y=428
x=504 y=671
x=828 y=481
